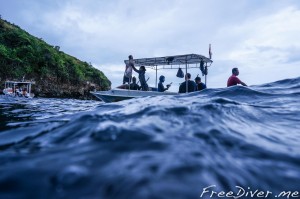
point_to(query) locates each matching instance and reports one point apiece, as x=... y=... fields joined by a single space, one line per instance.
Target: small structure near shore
x=18 y=89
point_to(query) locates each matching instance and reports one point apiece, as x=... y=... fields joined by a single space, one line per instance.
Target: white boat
x=157 y=63
x=116 y=95
x=17 y=89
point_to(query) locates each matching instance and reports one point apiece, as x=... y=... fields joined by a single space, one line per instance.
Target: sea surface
x=238 y=139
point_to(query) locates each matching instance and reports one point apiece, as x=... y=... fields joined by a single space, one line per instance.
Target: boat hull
x=116 y=95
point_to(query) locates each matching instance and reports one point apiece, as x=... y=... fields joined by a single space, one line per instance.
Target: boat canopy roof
x=14 y=82
x=171 y=60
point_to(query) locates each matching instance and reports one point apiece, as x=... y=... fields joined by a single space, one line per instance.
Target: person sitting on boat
x=21 y=91
x=200 y=85
x=134 y=85
x=142 y=79
x=161 y=87
x=17 y=92
x=24 y=92
x=191 y=84
x=233 y=79
x=128 y=70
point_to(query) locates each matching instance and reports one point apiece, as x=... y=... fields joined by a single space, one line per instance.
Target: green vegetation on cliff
x=56 y=74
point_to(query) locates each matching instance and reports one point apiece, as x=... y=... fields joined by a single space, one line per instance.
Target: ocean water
x=240 y=140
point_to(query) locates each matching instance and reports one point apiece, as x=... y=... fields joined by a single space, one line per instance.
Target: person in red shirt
x=233 y=79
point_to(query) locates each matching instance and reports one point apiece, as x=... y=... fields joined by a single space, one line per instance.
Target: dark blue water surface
x=154 y=147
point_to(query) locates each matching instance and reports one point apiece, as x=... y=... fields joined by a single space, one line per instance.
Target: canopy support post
x=156 y=86
x=186 y=82
x=29 y=89
x=206 y=73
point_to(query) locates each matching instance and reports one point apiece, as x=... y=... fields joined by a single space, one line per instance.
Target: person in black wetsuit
x=134 y=85
x=142 y=79
x=191 y=84
x=160 y=87
x=200 y=85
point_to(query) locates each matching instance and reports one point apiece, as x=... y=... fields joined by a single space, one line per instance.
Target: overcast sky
x=260 y=37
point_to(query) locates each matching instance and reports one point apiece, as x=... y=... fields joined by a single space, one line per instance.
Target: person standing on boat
x=142 y=78
x=190 y=84
x=134 y=85
x=200 y=85
x=233 y=79
x=128 y=70
x=160 y=86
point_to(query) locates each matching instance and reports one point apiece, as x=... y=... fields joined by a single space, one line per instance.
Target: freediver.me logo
x=240 y=192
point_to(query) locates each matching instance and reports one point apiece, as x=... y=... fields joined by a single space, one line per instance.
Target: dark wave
x=153 y=147
x=284 y=83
